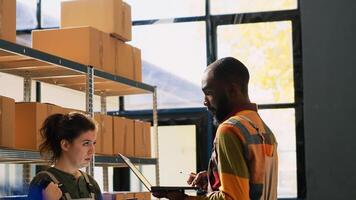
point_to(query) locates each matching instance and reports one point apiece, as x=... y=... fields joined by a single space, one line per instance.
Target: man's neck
x=238 y=107
x=240 y=103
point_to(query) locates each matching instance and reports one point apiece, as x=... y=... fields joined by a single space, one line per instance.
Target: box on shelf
x=8 y=20
x=29 y=117
x=142 y=139
x=147 y=134
x=124 y=60
x=137 y=64
x=104 y=136
x=143 y=195
x=125 y=196
x=123 y=139
x=7 y=121
x=126 y=31
x=85 y=45
x=118 y=196
x=110 y=16
x=54 y=109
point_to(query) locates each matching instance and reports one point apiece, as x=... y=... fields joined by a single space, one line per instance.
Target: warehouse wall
x=329 y=64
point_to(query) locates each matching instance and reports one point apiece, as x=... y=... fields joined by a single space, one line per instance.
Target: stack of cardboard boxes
x=121 y=135
x=94 y=32
x=20 y=125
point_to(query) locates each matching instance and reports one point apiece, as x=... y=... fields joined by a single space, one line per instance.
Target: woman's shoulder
x=94 y=184
x=41 y=177
x=38 y=183
x=91 y=179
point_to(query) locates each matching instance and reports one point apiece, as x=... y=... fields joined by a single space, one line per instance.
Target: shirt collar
x=250 y=106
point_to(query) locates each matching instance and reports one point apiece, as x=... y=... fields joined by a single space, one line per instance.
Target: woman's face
x=81 y=150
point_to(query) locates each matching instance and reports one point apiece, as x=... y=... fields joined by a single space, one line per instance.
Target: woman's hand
x=52 y=192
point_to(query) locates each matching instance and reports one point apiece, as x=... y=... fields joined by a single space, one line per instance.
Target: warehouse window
x=284 y=129
x=26 y=12
x=159 y=9
x=247 y=6
x=174 y=58
x=50 y=13
x=267 y=50
x=173 y=171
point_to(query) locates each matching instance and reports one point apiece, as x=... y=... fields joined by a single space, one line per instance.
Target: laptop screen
x=136 y=172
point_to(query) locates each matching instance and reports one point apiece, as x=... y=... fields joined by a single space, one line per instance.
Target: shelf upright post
x=89 y=94
x=27 y=86
x=103 y=107
x=155 y=133
x=105 y=167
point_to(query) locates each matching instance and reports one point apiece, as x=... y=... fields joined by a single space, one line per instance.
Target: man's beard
x=222 y=110
x=216 y=122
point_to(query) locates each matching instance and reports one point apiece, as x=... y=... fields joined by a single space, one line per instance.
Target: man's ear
x=65 y=145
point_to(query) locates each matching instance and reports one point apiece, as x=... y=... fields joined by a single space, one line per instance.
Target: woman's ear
x=65 y=145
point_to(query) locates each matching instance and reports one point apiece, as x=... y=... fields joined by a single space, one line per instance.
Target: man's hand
x=174 y=195
x=199 y=180
x=52 y=192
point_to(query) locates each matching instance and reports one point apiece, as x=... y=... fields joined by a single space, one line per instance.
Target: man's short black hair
x=231 y=70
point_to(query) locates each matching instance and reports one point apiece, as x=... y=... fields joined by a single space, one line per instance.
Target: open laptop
x=147 y=184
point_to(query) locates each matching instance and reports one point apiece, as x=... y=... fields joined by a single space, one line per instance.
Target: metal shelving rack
x=35 y=65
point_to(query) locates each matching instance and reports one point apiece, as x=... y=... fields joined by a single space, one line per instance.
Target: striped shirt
x=244 y=161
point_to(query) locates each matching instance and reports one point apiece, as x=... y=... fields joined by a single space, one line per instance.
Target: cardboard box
x=147 y=138
x=137 y=64
x=142 y=139
x=118 y=196
x=7 y=122
x=126 y=31
x=54 y=109
x=125 y=196
x=29 y=118
x=104 y=144
x=143 y=196
x=123 y=139
x=110 y=16
x=84 y=45
x=8 y=20
x=124 y=60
